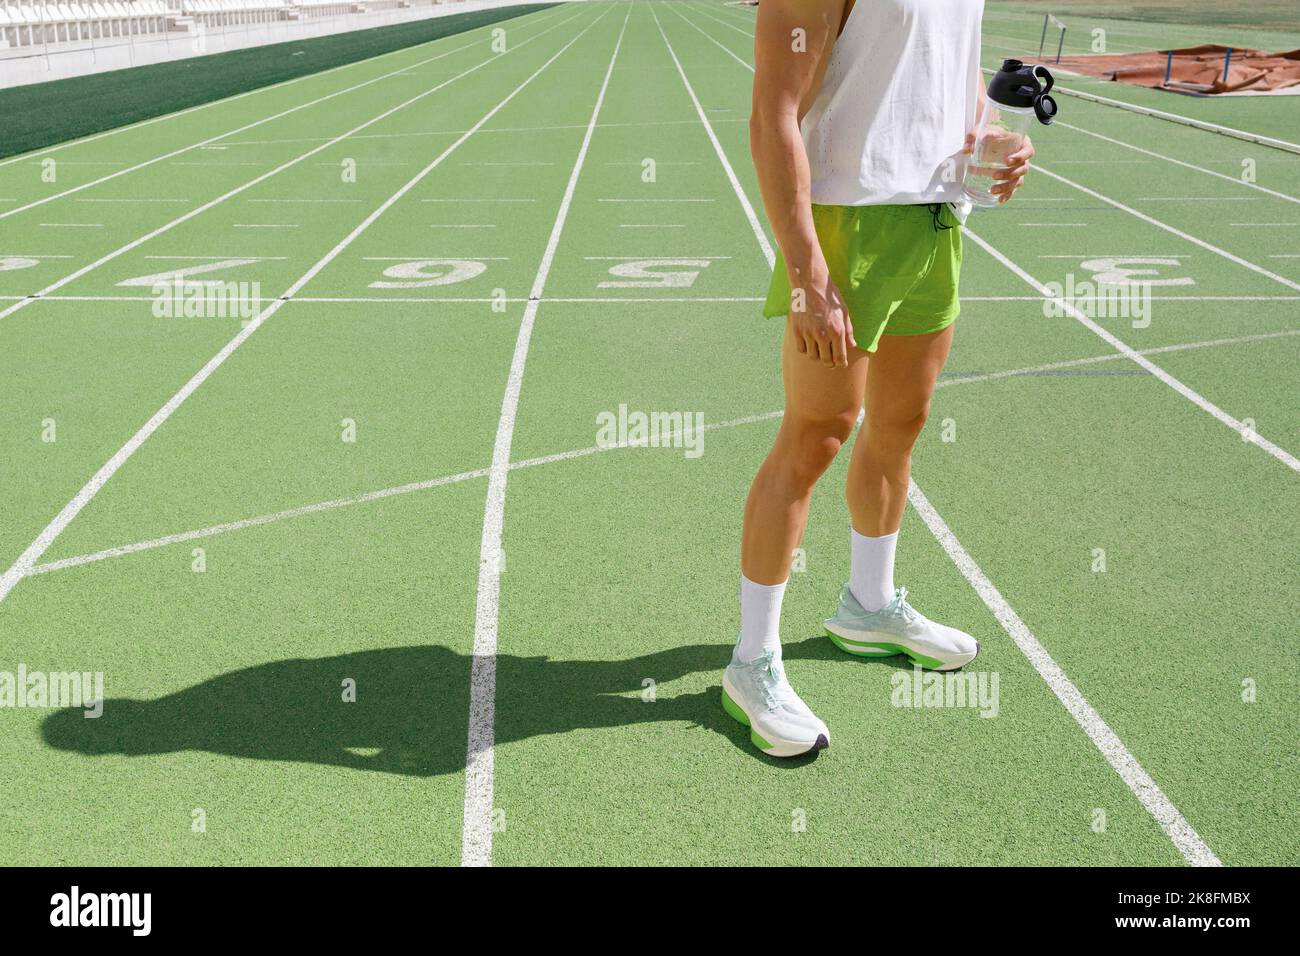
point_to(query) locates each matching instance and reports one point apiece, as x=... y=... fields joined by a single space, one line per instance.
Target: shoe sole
x=889 y=649
x=782 y=748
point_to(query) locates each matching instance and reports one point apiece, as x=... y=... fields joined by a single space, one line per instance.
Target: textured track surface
x=246 y=564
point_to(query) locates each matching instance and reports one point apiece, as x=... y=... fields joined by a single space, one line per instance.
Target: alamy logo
x=103 y=909
x=179 y=299
x=36 y=689
x=626 y=429
x=922 y=689
x=1100 y=299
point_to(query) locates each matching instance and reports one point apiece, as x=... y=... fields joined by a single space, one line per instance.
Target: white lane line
x=499 y=129
x=140 y=199
x=1194 y=850
x=333 y=503
x=754 y=224
x=212 y=139
x=1161 y=808
x=462 y=225
x=336 y=503
x=964 y=379
x=654 y=200
x=651 y=225
x=1154 y=298
x=27 y=560
x=267 y=175
x=1248 y=434
x=1210 y=247
x=714 y=40
x=268 y=225
x=731 y=26
x=254 y=522
x=476 y=834
x=607 y=300
x=650 y=300
x=301 y=200
x=1181 y=163
x=598 y=449
x=459 y=201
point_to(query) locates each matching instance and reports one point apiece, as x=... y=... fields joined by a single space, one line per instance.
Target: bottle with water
x=1017 y=94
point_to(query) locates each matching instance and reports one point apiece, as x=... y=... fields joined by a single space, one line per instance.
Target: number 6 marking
x=421 y=273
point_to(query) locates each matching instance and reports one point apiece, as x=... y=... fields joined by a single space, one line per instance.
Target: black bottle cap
x=1022 y=86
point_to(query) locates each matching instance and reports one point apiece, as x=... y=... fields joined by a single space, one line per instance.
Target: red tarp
x=1199 y=68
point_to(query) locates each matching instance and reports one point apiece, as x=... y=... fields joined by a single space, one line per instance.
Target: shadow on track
x=411 y=707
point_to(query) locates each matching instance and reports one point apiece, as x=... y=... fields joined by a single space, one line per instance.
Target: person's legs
x=873 y=619
x=904 y=370
x=821 y=406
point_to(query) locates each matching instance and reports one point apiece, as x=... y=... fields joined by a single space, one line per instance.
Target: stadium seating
x=50 y=23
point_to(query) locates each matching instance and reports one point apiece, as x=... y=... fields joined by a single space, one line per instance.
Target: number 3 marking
x=1113 y=271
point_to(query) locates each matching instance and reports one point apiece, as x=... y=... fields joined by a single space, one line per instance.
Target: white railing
x=45 y=26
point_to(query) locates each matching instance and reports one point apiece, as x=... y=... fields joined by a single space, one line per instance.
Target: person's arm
x=788 y=71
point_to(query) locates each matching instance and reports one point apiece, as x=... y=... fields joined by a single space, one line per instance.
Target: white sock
x=760 y=618
x=871 y=569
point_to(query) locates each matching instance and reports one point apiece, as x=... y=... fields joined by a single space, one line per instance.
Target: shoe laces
x=899 y=607
x=771 y=679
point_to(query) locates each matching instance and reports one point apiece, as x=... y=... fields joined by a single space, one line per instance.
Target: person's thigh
x=820 y=397
x=904 y=370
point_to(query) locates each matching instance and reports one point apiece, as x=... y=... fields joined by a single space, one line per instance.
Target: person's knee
x=811 y=444
x=900 y=425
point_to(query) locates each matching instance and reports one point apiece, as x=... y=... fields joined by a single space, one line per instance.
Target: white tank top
x=898 y=98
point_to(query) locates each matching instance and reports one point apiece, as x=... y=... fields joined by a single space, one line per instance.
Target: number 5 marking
x=646 y=274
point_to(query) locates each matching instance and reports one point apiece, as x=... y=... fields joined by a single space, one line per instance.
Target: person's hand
x=1009 y=158
x=1007 y=180
x=819 y=319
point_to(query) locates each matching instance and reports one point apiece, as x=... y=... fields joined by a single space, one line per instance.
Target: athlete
x=860 y=128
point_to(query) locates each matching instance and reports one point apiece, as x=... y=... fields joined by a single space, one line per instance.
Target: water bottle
x=1017 y=94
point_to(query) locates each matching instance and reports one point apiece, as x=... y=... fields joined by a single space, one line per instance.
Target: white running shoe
x=758 y=695
x=898 y=628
